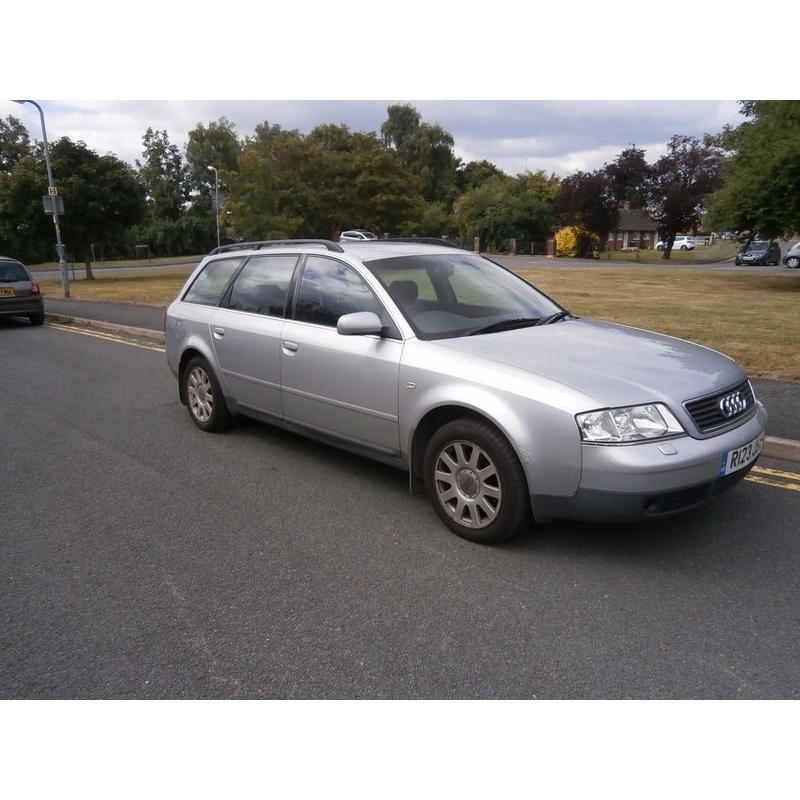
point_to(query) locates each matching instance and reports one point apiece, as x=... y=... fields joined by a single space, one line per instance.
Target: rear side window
x=262 y=285
x=210 y=284
x=11 y=271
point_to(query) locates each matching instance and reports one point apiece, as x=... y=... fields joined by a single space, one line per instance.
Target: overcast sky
x=555 y=136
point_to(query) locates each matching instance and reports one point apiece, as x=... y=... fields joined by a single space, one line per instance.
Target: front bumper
x=635 y=482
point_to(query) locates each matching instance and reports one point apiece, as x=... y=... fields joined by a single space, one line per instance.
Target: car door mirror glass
x=359 y=323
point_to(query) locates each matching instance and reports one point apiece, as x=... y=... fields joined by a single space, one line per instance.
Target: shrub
x=576 y=241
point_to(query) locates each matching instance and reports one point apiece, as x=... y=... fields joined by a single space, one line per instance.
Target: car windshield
x=443 y=296
x=10 y=272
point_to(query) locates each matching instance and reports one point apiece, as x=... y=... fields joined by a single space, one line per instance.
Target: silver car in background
x=503 y=407
x=19 y=293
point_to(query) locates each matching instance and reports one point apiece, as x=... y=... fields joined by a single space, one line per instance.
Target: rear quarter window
x=209 y=286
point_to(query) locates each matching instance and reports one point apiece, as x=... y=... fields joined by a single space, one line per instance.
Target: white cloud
x=557 y=136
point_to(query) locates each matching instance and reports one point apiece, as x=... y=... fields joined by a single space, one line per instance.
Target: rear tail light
x=35 y=288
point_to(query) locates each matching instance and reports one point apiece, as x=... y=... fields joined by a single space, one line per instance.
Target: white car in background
x=681 y=243
x=357 y=235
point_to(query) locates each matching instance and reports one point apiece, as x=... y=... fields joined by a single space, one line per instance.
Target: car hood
x=614 y=364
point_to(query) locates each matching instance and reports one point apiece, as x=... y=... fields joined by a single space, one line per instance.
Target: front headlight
x=631 y=424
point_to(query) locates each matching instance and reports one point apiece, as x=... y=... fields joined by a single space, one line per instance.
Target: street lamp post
x=62 y=264
x=216 y=196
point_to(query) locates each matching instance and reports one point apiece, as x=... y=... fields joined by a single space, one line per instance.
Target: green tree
x=288 y=184
x=163 y=176
x=425 y=149
x=15 y=143
x=216 y=144
x=102 y=199
x=760 y=171
x=503 y=208
x=474 y=173
x=679 y=183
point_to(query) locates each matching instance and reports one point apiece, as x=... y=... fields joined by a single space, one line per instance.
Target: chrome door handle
x=218 y=331
x=290 y=346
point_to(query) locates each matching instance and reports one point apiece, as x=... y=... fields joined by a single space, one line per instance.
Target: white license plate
x=737 y=459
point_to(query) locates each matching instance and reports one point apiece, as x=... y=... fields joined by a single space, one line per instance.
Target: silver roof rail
x=226 y=248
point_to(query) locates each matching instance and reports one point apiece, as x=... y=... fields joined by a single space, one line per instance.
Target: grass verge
x=151 y=288
x=752 y=318
x=703 y=254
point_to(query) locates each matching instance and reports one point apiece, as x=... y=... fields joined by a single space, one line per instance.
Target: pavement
x=140 y=557
x=139 y=316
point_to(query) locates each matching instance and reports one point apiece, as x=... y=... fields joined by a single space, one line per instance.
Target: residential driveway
x=140 y=557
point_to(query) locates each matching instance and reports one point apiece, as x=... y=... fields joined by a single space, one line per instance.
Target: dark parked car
x=760 y=252
x=792 y=257
x=19 y=293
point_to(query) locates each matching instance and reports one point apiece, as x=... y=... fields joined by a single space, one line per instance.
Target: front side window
x=262 y=285
x=211 y=283
x=443 y=296
x=329 y=289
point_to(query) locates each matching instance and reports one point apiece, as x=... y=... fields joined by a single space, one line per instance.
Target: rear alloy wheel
x=793 y=262
x=204 y=397
x=476 y=483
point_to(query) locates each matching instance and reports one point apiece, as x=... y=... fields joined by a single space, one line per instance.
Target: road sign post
x=52 y=194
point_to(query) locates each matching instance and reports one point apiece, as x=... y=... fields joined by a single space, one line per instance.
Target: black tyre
x=793 y=262
x=475 y=482
x=203 y=395
x=684 y=247
x=37 y=318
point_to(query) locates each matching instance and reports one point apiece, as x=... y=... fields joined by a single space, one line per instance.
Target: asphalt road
x=142 y=558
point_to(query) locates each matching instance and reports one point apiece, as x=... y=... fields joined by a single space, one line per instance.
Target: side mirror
x=361 y=323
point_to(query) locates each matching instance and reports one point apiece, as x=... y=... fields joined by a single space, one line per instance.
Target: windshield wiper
x=503 y=325
x=559 y=315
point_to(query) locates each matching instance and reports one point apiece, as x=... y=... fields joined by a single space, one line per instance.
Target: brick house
x=635 y=229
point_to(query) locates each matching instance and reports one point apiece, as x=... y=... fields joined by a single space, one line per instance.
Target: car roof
x=385 y=248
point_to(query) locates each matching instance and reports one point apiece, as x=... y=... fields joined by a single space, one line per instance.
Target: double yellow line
x=776 y=478
x=109 y=337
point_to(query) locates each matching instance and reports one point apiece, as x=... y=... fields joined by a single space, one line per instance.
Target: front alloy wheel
x=793 y=262
x=467 y=484
x=475 y=481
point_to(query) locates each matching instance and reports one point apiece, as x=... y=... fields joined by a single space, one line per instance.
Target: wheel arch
x=432 y=420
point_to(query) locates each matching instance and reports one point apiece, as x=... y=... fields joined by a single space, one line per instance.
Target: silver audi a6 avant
x=502 y=405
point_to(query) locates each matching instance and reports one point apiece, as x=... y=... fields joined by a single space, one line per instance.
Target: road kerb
x=108 y=327
x=783 y=449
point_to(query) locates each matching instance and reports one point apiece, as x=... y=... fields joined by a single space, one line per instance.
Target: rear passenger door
x=246 y=332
